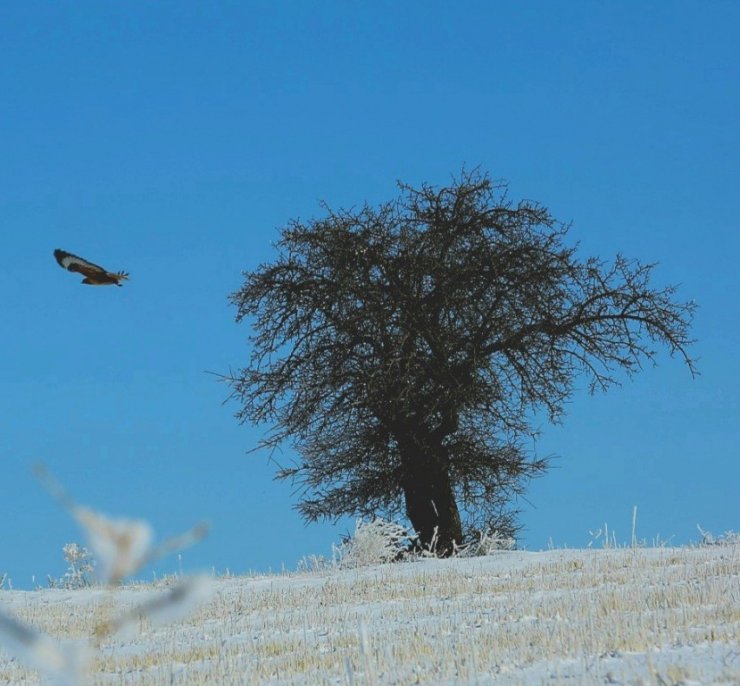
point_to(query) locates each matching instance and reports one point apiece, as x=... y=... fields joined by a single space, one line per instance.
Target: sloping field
x=624 y=616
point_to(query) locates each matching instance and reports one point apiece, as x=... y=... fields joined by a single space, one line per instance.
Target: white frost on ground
x=620 y=616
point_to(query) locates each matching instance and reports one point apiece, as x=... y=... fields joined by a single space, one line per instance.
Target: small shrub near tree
x=373 y=542
x=81 y=568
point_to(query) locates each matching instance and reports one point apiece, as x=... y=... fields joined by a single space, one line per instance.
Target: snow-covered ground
x=615 y=616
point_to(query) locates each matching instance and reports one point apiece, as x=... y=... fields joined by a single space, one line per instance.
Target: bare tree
x=403 y=349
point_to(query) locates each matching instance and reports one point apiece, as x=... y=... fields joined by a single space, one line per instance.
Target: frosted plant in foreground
x=122 y=547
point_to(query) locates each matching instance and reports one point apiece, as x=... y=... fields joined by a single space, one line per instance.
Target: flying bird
x=94 y=275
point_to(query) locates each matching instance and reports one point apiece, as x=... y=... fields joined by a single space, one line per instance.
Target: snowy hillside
x=620 y=616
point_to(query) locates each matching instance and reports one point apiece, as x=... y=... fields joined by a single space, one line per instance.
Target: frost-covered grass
x=611 y=616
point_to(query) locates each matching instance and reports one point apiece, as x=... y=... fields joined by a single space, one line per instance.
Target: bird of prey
x=94 y=275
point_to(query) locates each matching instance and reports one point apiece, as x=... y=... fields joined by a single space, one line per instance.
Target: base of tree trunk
x=432 y=510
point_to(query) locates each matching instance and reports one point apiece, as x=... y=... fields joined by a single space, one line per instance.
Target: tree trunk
x=430 y=501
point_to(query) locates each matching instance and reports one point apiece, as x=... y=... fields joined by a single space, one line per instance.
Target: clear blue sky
x=174 y=139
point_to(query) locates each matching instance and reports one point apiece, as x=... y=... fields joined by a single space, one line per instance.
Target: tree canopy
x=403 y=349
